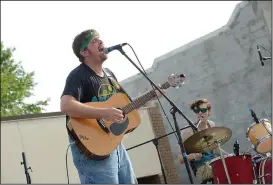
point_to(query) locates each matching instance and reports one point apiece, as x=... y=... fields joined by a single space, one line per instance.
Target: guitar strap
x=110 y=77
x=113 y=81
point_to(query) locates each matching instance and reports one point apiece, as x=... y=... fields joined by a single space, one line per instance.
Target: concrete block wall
x=224 y=67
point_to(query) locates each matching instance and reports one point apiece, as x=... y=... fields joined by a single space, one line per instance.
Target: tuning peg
x=178 y=86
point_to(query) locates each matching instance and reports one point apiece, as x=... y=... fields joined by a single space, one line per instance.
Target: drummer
x=200 y=161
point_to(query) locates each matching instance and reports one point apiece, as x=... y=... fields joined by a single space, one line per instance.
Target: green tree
x=16 y=86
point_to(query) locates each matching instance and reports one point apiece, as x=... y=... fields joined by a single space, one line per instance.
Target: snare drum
x=265 y=171
x=259 y=137
x=240 y=170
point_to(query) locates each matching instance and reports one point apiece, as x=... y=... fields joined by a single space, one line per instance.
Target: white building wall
x=45 y=142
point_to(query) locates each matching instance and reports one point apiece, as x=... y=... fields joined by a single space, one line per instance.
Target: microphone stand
x=265 y=58
x=173 y=106
x=260 y=55
x=155 y=141
x=26 y=168
x=173 y=111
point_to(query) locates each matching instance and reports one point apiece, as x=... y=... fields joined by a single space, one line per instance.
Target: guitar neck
x=142 y=100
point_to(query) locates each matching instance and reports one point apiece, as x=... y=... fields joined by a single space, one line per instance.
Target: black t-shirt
x=86 y=86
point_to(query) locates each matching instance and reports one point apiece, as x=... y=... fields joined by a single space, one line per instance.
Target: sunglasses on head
x=197 y=110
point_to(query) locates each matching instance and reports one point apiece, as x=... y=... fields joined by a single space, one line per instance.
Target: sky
x=43 y=31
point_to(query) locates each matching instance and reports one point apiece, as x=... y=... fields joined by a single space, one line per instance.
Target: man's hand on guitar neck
x=159 y=95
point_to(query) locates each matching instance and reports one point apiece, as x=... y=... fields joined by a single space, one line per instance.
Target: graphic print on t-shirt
x=106 y=90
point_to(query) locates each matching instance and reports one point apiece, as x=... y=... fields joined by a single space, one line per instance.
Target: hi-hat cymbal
x=206 y=140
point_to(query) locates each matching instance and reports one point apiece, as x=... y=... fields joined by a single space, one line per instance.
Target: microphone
x=112 y=48
x=260 y=55
x=236 y=148
x=254 y=116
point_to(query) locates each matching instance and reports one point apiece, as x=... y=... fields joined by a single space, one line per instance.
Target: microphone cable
x=67 y=175
x=154 y=90
x=265 y=49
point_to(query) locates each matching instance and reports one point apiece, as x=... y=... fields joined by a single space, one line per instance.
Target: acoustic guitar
x=98 y=137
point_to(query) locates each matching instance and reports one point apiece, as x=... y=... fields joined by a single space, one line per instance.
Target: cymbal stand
x=26 y=168
x=224 y=162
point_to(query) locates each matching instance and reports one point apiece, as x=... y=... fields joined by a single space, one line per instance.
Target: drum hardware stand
x=155 y=141
x=26 y=168
x=268 y=154
x=174 y=108
x=264 y=176
x=255 y=175
x=255 y=181
x=262 y=121
x=224 y=162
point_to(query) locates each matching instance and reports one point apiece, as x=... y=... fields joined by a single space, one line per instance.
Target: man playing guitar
x=89 y=82
x=199 y=161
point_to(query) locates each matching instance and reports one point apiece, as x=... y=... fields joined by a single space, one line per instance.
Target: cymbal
x=206 y=140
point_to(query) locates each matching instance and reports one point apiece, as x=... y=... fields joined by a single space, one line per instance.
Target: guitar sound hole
x=119 y=128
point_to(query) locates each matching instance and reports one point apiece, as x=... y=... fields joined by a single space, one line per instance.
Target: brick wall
x=155 y=179
x=170 y=169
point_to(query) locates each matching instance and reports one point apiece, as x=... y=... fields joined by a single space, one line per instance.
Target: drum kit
x=237 y=168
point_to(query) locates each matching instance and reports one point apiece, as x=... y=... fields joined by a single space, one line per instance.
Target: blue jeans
x=116 y=169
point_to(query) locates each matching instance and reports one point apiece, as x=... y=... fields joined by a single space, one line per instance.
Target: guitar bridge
x=102 y=126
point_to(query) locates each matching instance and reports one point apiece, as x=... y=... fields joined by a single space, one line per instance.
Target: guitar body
x=96 y=141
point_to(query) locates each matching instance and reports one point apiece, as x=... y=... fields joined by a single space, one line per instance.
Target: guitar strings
x=128 y=108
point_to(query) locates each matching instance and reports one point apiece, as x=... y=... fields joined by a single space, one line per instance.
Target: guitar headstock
x=176 y=80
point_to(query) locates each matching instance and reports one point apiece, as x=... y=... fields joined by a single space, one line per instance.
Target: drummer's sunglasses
x=197 y=110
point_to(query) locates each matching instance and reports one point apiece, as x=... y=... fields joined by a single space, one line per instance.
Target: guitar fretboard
x=143 y=99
